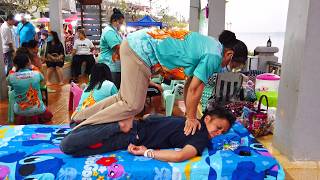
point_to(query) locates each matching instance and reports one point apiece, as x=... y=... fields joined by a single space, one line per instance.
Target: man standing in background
x=7 y=41
x=25 y=30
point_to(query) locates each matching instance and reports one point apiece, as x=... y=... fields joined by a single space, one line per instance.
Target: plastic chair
x=228 y=86
x=10 y=104
x=169 y=97
x=75 y=96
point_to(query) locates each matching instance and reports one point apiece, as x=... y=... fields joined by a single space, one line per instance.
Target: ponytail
x=229 y=40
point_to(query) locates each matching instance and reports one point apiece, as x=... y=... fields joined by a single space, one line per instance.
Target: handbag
x=54 y=57
x=258 y=123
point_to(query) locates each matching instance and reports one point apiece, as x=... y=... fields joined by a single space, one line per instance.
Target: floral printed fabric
x=33 y=152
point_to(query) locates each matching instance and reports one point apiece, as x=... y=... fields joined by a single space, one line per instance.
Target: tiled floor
x=58 y=104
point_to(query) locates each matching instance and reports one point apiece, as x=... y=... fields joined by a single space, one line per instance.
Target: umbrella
x=75 y=18
x=42 y=20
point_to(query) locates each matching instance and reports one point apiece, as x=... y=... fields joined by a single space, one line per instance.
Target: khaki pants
x=135 y=77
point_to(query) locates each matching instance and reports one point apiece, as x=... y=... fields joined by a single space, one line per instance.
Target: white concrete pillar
x=56 y=21
x=3 y=82
x=217 y=13
x=297 y=131
x=194 y=15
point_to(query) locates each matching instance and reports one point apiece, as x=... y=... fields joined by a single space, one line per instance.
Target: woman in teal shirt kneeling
x=173 y=54
x=110 y=43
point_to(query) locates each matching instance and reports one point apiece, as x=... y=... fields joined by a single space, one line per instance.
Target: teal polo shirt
x=198 y=55
x=109 y=39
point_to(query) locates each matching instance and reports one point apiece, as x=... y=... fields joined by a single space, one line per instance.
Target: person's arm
x=74 y=49
x=116 y=53
x=193 y=97
x=91 y=46
x=185 y=89
x=184 y=154
x=62 y=51
x=151 y=83
x=113 y=41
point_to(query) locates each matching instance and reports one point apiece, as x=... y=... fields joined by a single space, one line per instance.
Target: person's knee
x=137 y=107
x=67 y=146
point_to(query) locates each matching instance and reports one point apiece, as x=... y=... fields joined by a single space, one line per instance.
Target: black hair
x=117 y=15
x=230 y=41
x=24 y=45
x=10 y=17
x=55 y=36
x=42 y=26
x=220 y=112
x=82 y=31
x=99 y=73
x=32 y=44
x=24 y=50
x=21 y=59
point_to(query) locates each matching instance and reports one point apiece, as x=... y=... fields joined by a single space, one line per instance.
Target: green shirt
x=109 y=39
x=198 y=55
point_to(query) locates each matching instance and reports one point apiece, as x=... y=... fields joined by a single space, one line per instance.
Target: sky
x=257 y=15
x=245 y=15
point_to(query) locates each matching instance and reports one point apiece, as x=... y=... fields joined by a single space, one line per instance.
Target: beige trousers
x=129 y=101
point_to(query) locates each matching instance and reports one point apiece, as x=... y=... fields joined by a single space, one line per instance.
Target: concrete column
x=217 y=11
x=56 y=21
x=194 y=15
x=3 y=82
x=297 y=130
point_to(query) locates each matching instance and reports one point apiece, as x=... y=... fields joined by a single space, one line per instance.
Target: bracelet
x=149 y=155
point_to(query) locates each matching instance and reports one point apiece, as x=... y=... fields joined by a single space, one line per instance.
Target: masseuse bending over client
x=147 y=52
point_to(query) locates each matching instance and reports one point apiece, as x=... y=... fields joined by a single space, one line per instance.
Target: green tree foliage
x=29 y=6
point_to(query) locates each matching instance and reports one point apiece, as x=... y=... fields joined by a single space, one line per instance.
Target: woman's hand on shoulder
x=191 y=126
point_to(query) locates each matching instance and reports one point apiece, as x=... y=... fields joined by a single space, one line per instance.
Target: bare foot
x=126 y=125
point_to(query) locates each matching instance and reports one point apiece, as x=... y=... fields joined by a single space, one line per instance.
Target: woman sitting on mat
x=148 y=135
x=25 y=81
x=173 y=54
x=99 y=87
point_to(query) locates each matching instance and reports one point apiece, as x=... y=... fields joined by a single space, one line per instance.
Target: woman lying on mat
x=25 y=81
x=100 y=87
x=147 y=135
x=175 y=54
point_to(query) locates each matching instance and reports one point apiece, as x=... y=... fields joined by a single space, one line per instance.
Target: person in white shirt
x=82 y=52
x=7 y=41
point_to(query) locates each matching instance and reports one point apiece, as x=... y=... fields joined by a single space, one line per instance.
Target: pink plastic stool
x=75 y=95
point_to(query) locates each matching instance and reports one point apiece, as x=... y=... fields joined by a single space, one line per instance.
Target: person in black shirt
x=54 y=56
x=155 y=132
